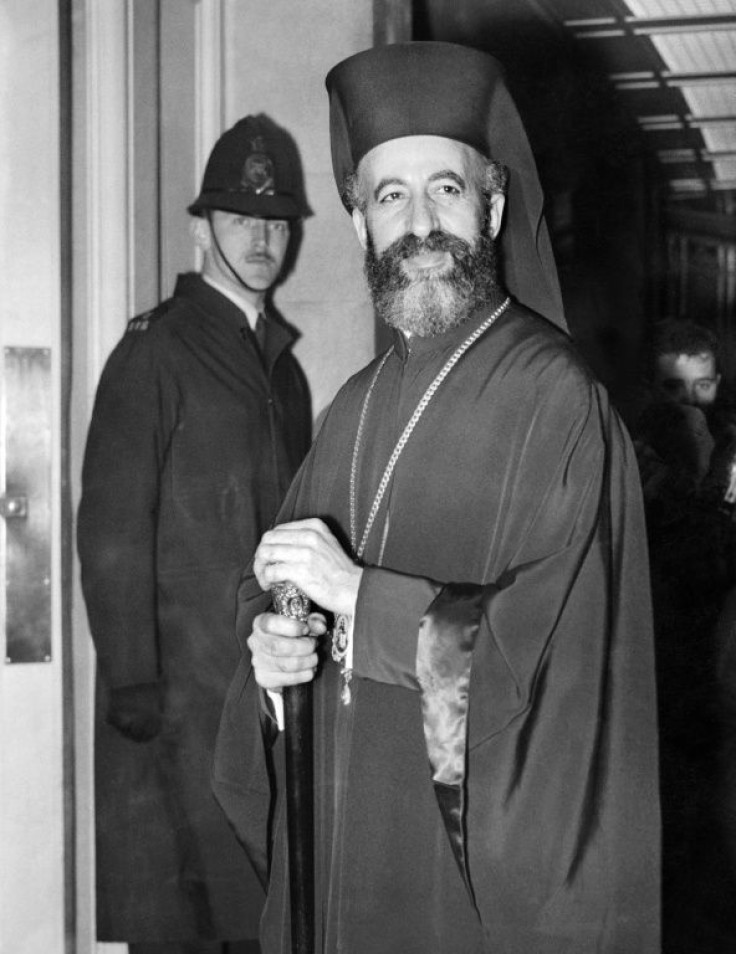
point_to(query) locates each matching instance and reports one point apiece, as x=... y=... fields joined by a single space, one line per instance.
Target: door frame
x=101 y=227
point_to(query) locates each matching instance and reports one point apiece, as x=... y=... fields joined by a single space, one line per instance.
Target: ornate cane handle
x=289 y=600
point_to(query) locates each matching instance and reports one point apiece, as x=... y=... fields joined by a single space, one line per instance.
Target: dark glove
x=135 y=711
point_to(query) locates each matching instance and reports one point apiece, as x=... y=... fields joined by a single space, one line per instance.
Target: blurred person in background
x=686 y=445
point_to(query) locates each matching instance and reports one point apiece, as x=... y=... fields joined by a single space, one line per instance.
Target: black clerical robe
x=492 y=785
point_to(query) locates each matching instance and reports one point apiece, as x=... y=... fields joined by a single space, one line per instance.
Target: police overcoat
x=194 y=438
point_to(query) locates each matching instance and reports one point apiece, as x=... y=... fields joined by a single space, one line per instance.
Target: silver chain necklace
x=358 y=550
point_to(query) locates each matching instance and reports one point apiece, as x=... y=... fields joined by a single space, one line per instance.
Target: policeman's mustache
x=259 y=257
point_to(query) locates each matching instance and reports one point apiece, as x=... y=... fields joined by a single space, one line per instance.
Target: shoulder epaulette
x=143 y=322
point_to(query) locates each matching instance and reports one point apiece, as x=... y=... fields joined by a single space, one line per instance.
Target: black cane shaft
x=300 y=814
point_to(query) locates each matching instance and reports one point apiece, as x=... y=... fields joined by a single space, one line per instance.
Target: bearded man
x=469 y=525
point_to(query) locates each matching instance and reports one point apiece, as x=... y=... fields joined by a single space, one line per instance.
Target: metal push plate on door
x=25 y=504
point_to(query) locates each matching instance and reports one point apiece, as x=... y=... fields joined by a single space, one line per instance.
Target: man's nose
x=259 y=232
x=689 y=394
x=423 y=217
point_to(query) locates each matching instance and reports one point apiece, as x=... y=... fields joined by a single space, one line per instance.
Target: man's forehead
x=674 y=365
x=421 y=153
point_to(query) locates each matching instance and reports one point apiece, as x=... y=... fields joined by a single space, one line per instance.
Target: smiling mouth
x=427 y=263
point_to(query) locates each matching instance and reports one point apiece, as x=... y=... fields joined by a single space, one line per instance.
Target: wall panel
x=276 y=62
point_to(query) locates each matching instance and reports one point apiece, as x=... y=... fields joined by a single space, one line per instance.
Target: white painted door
x=32 y=869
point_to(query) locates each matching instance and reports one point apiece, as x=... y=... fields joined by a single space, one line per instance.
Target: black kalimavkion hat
x=254 y=169
x=443 y=89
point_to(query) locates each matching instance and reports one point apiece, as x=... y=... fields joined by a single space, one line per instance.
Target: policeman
x=201 y=419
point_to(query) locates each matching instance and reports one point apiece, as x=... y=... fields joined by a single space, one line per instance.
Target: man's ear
x=199 y=229
x=361 y=228
x=495 y=213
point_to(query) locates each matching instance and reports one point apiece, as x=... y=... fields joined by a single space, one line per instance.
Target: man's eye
x=447 y=189
x=389 y=197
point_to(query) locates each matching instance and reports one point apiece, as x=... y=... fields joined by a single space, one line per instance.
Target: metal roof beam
x=664 y=123
x=606 y=28
x=648 y=79
x=682 y=187
x=688 y=156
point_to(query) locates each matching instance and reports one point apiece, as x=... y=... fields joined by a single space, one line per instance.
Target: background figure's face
x=254 y=247
x=688 y=378
x=428 y=231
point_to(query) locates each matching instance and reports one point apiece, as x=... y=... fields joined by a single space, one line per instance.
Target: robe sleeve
x=116 y=531
x=240 y=774
x=520 y=603
x=537 y=695
x=247 y=733
x=390 y=602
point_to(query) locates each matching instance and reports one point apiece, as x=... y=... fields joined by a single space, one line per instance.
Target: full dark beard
x=429 y=305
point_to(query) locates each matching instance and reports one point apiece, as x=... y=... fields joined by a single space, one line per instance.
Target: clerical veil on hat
x=442 y=89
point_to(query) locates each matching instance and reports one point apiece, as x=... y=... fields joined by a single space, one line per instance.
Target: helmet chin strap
x=223 y=256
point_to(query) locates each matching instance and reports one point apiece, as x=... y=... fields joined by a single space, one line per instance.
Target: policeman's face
x=254 y=247
x=428 y=231
x=688 y=378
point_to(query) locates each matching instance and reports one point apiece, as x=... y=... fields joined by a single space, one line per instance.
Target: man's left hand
x=306 y=553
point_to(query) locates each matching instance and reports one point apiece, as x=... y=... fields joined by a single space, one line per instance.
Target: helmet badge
x=258 y=174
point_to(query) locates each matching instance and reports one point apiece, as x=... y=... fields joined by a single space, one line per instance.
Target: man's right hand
x=284 y=650
x=135 y=711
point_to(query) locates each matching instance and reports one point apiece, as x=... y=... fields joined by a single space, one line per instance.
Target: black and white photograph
x=368 y=477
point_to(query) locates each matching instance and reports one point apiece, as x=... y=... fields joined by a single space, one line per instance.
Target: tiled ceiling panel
x=701 y=52
x=716 y=100
x=726 y=169
x=680 y=8
x=720 y=138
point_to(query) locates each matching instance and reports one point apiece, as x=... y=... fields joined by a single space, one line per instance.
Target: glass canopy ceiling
x=674 y=61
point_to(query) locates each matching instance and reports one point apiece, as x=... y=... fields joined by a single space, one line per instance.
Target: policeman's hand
x=306 y=553
x=284 y=650
x=135 y=711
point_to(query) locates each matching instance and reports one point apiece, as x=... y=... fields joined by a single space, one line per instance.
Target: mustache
x=427 y=305
x=384 y=271
x=437 y=241
x=259 y=257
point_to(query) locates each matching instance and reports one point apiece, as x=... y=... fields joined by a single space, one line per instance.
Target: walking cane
x=288 y=600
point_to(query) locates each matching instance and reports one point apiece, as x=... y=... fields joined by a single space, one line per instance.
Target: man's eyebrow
x=449 y=174
x=389 y=180
x=436 y=176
